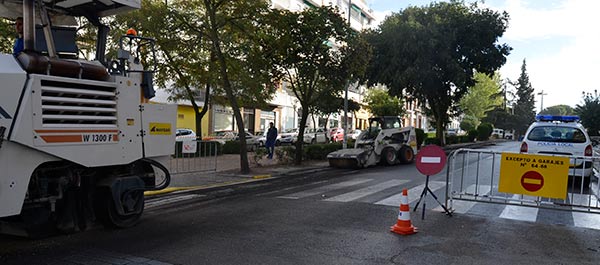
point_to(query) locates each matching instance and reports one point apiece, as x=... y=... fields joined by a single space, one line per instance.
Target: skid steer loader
x=384 y=142
x=79 y=140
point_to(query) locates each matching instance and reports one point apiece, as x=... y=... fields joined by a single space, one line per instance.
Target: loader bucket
x=348 y=158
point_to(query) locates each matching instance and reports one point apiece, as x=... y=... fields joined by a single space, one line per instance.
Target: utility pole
x=542 y=94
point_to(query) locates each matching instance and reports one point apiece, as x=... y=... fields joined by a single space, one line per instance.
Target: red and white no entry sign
x=532 y=181
x=431 y=159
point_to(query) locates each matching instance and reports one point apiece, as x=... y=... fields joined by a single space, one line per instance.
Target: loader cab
x=376 y=124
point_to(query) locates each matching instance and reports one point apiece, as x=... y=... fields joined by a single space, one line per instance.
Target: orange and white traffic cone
x=404 y=226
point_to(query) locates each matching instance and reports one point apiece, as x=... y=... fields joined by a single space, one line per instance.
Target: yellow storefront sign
x=157 y=128
x=535 y=175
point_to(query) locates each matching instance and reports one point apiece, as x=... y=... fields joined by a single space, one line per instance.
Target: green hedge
x=231 y=147
x=320 y=151
x=484 y=131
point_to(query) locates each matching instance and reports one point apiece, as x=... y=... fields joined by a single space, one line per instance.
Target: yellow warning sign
x=536 y=175
x=160 y=128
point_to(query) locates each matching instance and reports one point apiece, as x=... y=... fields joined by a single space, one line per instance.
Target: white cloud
x=572 y=67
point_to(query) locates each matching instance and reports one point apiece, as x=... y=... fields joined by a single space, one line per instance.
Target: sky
x=559 y=39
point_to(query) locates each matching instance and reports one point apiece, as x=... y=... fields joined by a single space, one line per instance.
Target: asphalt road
x=337 y=218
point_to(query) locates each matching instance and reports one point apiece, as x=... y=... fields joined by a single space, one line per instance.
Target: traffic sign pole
x=424 y=195
x=431 y=160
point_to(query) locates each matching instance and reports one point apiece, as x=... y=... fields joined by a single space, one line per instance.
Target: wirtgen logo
x=4 y=114
x=160 y=128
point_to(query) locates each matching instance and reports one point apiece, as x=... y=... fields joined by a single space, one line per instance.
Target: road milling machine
x=384 y=142
x=79 y=140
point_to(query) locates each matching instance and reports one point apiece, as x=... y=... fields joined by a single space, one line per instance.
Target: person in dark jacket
x=271 y=138
x=18 y=47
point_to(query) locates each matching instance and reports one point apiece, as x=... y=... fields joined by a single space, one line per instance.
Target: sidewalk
x=228 y=171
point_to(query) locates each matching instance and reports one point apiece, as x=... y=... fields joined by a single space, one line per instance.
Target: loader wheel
x=407 y=155
x=389 y=156
x=107 y=212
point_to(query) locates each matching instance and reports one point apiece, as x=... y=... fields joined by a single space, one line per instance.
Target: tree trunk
x=214 y=35
x=300 y=141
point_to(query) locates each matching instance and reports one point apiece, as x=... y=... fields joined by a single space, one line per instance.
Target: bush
x=231 y=147
x=451 y=139
x=435 y=141
x=420 y=137
x=464 y=139
x=472 y=135
x=484 y=131
x=286 y=154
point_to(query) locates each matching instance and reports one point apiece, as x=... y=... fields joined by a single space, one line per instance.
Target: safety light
x=557 y=118
x=131 y=32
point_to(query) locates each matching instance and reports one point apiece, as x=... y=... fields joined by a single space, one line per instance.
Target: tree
x=212 y=47
x=319 y=55
x=484 y=96
x=524 y=113
x=7 y=36
x=560 y=110
x=432 y=53
x=588 y=112
x=469 y=123
x=381 y=103
x=185 y=66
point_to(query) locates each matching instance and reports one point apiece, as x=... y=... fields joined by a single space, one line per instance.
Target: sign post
x=431 y=160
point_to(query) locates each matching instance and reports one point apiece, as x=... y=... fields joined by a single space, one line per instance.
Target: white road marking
x=357 y=194
x=522 y=213
x=413 y=194
x=162 y=201
x=324 y=189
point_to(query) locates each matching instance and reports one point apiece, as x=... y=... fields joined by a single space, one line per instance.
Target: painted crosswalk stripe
x=324 y=189
x=462 y=207
x=521 y=213
x=357 y=194
x=413 y=194
x=164 y=201
x=586 y=220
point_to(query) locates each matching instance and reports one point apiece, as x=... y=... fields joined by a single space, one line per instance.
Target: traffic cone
x=404 y=226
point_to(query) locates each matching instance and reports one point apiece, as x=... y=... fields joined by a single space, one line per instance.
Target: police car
x=561 y=135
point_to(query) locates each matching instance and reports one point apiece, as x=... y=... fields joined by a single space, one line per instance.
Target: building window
x=180 y=116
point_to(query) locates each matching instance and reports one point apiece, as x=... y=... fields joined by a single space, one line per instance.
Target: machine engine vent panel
x=67 y=104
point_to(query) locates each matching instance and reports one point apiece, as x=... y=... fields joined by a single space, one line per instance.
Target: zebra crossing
x=389 y=193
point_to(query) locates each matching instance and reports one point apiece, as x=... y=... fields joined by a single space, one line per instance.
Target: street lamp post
x=542 y=94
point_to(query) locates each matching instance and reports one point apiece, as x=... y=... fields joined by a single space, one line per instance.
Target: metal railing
x=193 y=156
x=473 y=176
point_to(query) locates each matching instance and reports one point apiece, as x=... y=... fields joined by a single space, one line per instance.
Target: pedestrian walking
x=271 y=138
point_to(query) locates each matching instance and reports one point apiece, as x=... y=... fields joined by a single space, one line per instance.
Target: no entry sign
x=535 y=175
x=431 y=159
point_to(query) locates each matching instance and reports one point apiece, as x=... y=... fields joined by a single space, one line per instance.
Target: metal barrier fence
x=473 y=176
x=194 y=156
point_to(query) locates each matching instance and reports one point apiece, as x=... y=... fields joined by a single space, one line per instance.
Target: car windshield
x=291 y=130
x=557 y=134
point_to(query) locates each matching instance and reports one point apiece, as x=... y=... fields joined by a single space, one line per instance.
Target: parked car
x=560 y=135
x=336 y=134
x=497 y=133
x=355 y=133
x=288 y=136
x=314 y=136
x=184 y=134
x=251 y=141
